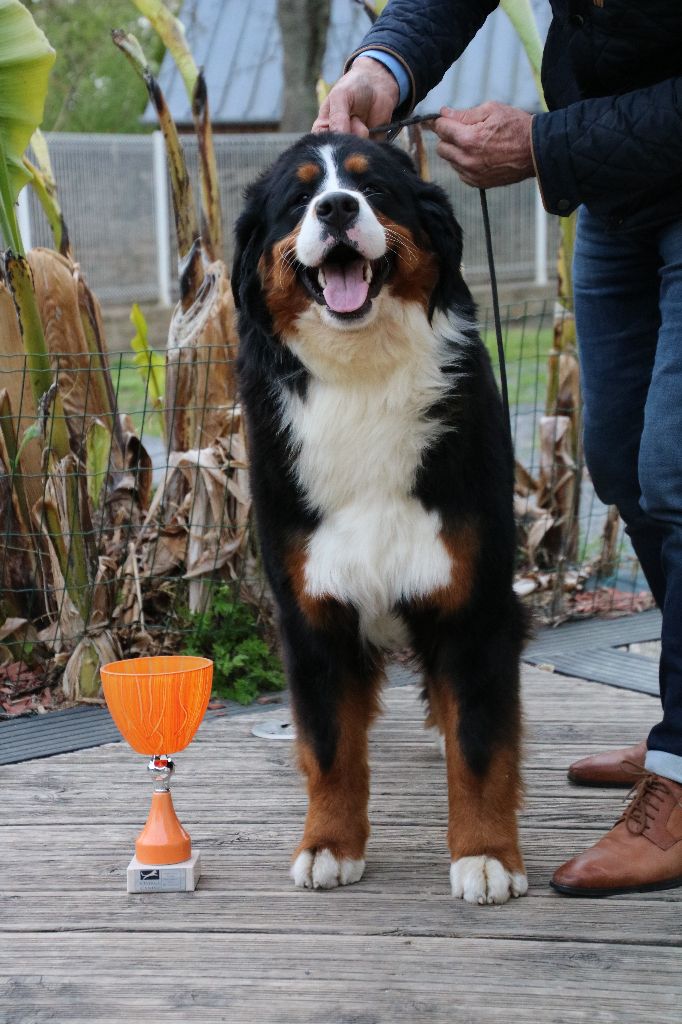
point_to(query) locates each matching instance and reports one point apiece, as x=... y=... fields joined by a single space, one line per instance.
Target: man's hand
x=487 y=145
x=366 y=96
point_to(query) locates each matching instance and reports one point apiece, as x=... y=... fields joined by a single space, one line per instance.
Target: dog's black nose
x=338 y=210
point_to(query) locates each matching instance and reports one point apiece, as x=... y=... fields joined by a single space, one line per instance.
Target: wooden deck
x=247 y=947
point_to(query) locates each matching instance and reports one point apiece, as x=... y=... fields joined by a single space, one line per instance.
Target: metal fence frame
x=115 y=198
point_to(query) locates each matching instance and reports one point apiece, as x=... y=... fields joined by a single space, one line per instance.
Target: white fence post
x=24 y=218
x=540 y=240
x=161 y=220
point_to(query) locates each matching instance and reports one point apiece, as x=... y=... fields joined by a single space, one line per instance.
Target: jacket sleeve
x=611 y=151
x=426 y=36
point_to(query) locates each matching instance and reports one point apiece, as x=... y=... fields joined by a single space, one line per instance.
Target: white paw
x=322 y=870
x=485 y=880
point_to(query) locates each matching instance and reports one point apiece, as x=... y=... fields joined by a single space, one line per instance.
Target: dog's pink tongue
x=346 y=289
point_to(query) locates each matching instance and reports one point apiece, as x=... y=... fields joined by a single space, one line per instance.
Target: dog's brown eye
x=303 y=197
x=371 y=190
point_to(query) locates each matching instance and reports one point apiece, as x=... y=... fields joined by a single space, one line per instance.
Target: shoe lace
x=646 y=798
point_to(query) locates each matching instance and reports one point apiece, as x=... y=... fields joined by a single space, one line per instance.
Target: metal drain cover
x=274 y=729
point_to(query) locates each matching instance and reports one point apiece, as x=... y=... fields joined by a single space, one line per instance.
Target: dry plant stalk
x=20 y=410
x=192 y=525
x=60 y=533
x=208 y=532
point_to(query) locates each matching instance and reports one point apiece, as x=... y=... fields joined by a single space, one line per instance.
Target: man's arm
x=604 y=151
x=426 y=36
x=420 y=37
x=613 y=153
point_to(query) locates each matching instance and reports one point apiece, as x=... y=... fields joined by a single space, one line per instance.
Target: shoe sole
x=593 y=784
x=574 y=890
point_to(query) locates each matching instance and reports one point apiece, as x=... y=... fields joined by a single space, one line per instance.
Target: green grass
x=526 y=348
x=132 y=396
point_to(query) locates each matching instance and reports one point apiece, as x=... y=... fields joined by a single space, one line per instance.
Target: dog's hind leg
x=334 y=704
x=473 y=696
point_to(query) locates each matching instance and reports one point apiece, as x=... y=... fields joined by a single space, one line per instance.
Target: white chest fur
x=359 y=443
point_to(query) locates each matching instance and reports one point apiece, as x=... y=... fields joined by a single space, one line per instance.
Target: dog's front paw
x=485 y=880
x=320 y=869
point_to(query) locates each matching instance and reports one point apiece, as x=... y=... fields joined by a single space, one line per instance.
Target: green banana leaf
x=26 y=58
x=520 y=13
x=172 y=33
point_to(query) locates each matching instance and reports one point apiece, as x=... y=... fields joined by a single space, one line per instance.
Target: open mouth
x=346 y=282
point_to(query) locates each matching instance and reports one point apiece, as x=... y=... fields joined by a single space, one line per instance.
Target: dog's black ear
x=249 y=238
x=443 y=235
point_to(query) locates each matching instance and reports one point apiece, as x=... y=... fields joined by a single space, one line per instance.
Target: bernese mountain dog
x=382 y=481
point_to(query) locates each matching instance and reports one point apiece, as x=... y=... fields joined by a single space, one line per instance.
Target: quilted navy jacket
x=612 y=76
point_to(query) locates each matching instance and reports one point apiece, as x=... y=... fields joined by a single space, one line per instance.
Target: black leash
x=391 y=130
x=496 y=309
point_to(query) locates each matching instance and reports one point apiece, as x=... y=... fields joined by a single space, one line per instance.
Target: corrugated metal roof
x=238 y=44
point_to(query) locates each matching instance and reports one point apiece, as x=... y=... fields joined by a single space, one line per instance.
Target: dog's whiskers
x=404 y=249
x=288 y=259
x=400 y=239
x=397 y=242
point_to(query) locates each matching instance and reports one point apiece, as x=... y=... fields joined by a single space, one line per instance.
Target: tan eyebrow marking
x=308 y=172
x=356 y=163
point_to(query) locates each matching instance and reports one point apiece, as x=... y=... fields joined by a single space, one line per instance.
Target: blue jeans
x=628 y=304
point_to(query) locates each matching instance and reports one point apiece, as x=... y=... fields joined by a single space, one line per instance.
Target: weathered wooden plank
x=240 y=978
x=419 y=773
x=379 y=905
x=256 y=857
x=414 y=856
x=395 y=948
x=418 y=808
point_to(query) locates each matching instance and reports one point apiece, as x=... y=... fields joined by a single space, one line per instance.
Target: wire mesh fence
x=118 y=546
x=592 y=566
x=124 y=545
x=117 y=209
x=125 y=516
x=108 y=197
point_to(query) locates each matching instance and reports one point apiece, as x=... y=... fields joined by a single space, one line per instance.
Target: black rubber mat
x=61 y=732
x=57 y=732
x=589 y=650
x=585 y=649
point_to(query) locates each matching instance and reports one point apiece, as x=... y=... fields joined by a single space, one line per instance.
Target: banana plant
x=172 y=34
x=520 y=13
x=58 y=417
x=202 y=427
x=45 y=187
x=29 y=408
x=26 y=59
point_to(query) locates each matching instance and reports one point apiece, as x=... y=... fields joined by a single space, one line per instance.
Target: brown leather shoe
x=610 y=768
x=642 y=852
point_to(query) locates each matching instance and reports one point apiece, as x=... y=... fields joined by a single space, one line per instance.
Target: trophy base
x=182 y=877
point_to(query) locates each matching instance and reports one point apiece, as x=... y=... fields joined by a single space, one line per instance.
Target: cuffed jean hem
x=661 y=763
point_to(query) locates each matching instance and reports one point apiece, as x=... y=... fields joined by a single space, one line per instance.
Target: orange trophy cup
x=158 y=704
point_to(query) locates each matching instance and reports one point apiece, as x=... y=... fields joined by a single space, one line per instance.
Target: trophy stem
x=163 y=840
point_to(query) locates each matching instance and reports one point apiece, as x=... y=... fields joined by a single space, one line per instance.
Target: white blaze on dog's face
x=338 y=243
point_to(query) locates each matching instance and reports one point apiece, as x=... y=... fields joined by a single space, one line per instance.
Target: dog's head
x=338 y=228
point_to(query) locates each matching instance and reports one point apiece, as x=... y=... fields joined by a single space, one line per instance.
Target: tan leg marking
x=487 y=866
x=337 y=824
